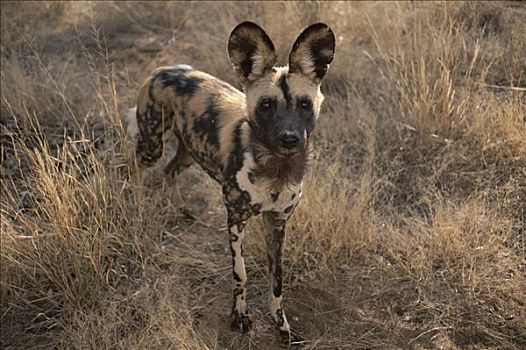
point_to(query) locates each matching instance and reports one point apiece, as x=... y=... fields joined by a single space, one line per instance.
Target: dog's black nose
x=289 y=139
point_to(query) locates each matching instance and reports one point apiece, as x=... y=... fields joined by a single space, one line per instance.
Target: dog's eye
x=305 y=104
x=265 y=105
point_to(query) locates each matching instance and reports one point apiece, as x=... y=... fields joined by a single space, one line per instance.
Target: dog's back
x=201 y=111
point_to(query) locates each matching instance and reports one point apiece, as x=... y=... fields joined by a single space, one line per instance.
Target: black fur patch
x=278 y=272
x=180 y=80
x=236 y=292
x=236 y=276
x=206 y=124
x=289 y=209
x=263 y=126
x=274 y=196
x=235 y=161
x=282 y=83
x=322 y=62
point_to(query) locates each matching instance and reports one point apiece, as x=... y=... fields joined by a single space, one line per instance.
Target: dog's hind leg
x=181 y=160
x=152 y=121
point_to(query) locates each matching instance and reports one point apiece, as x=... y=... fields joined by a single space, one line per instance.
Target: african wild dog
x=256 y=145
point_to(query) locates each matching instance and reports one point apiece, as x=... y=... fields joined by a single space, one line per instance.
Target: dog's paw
x=290 y=338
x=240 y=323
x=285 y=337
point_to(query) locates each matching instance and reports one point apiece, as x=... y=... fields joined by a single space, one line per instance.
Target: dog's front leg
x=240 y=319
x=275 y=237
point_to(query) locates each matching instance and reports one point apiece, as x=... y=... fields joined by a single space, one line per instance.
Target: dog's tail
x=129 y=121
x=130 y=124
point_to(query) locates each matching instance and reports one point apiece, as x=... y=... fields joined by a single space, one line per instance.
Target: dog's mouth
x=288 y=152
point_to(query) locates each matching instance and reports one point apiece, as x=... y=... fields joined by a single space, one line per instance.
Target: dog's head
x=283 y=103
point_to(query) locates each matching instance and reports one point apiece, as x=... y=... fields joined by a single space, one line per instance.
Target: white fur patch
x=239 y=264
x=275 y=304
x=130 y=123
x=258 y=63
x=307 y=63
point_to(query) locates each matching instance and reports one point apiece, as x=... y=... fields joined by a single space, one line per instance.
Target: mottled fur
x=256 y=145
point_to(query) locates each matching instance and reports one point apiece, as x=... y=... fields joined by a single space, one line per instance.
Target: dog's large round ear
x=251 y=51
x=313 y=52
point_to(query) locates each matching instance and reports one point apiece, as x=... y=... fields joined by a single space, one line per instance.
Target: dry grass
x=412 y=230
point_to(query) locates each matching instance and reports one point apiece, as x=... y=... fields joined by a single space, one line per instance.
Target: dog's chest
x=261 y=192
